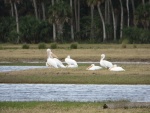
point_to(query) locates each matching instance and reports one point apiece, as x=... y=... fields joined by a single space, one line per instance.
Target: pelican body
x=105 y=63
x=93 y=67
x=50 y=61
x=116 y=68
x=71 y=63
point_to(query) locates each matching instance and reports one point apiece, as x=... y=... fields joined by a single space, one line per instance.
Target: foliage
x=142 y=16
x=137 y=35
x=36 y=30
x=42 y=46
x=6 y=29
x=53 y=45
x=74 y=45
x=25 y=46
x=33 y=30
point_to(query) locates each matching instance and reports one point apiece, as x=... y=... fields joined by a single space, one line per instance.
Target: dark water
x=73 y=92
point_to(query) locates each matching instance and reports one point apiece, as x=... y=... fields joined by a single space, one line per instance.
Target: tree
x=35 y=8
x=114 y=21
x=72 y=30
x=54 y=26
x=77 y=14
x=92 y=3
x=60 y=13
x=128 y=17
x=121 y=20
x=13 y=4
x=102 y=19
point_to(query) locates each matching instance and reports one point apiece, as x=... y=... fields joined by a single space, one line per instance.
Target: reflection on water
x=18 y=68
x=72 y=92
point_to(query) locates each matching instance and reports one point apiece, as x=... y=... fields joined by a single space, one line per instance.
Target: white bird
x=58 y=62
x=116 y=68
x=50 y=61
x=105 y=63
x=93 y=67
x=70 y=62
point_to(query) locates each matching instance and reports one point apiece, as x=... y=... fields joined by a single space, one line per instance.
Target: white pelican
x=93 y=67
x=70 y=62
x=116 y=68
x=50 y=61
x=105 y=63
x=58 y=62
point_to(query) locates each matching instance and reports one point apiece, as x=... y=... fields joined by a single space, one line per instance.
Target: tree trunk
x=107 y=12
x=121 y=20
x=78 y=15
x=92 y=22
x=17 y=21
x=72 y=31
x=43 y=10
x=35 y=9
x=54 y=27
x=103 y=23
x=12 y=9
x=143 y=2
x=128 y=18
x=114 y=21
x=133 y=8
x=75 y=12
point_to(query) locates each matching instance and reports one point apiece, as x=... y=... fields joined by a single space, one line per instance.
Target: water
x=18 y=68
x=74 y=92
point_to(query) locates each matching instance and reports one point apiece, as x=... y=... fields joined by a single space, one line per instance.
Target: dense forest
x=82 y=21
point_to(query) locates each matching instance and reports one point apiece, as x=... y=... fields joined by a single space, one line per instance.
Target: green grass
x=64 y=107
x=134 y=74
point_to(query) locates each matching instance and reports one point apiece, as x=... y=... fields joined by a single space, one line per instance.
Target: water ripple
x=74 y=92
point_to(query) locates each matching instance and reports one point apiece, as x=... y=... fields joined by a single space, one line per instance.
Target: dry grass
x=20 y=55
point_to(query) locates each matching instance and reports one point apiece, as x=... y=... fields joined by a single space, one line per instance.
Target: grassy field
x=88 y=52
x=134 y=74
x=63 y=107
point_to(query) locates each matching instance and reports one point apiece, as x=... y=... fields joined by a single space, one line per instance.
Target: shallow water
x=18 y=68
x=74 y=92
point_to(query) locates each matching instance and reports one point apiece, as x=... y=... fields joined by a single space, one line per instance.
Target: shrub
x=1 y=47
x=134 y=46
x=25 y=46
x=53 y=45
x=42 y=46
x=125 y=41
x=74 y=45
x=124 y=46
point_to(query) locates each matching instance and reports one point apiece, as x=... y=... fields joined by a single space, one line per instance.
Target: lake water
x=74 y=92
x=18 y=68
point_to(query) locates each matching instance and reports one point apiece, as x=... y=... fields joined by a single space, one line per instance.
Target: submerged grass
x=63 y=107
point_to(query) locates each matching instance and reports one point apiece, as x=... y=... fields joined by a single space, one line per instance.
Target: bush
x=124 y=46
x=53 y=45
x=25 y=46
x=42 y=46
x=74 y=45
x=134 y=46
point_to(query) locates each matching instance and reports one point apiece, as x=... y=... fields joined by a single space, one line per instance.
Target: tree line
x=83 y=21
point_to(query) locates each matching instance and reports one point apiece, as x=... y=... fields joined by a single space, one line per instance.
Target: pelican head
x=92 y=65
x=103 y=56
x=48 y=50
x=68 y=56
